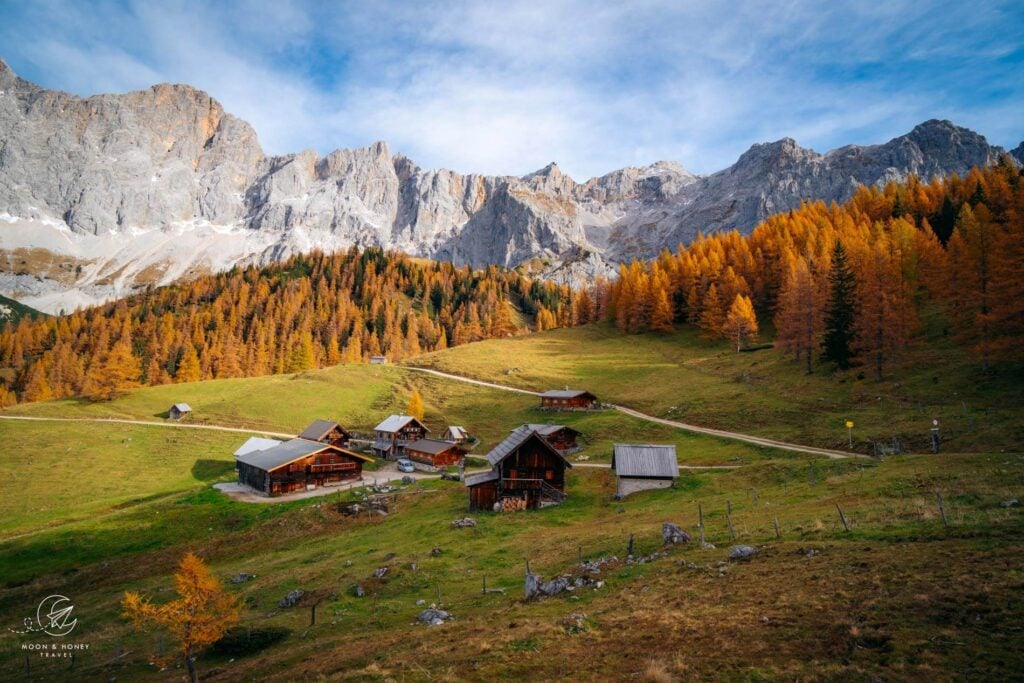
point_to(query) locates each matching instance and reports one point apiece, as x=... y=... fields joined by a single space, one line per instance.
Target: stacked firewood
x=511 y=504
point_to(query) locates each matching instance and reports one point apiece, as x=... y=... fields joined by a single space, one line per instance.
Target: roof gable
x=645 y=460
x=319 y=429
x=396 y=422
x=183 y=407
x=566 y=393
x=549 y=429
x=431 y=446
x=256 y=443
x=515 y=440
x=288 y=452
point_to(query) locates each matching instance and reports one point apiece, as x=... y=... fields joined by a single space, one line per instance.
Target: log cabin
x=433 y=454
x=561 y=437
x=525 y=467
x=568 y=399
x=326 y=431
x=391 y=435
x=642 y=467
x=456 y=434
x=296 y=465
x=179 y=410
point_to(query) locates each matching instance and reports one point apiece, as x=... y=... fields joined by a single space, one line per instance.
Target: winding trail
x=720 y=433
x=148 y=423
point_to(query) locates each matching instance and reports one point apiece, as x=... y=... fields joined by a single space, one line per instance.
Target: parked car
x=405 y=465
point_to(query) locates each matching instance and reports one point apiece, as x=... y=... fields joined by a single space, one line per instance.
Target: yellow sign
x=849 y=424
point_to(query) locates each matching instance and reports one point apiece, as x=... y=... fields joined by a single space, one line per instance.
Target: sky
x=507 y=87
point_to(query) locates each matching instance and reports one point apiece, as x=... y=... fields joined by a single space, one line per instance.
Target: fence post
x=942 y=508
x=842 y=517
x=778 y=534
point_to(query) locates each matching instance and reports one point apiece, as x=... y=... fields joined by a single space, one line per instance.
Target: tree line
x=848 y=283
x=307 y=312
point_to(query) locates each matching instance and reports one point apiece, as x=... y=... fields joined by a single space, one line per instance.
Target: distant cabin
x=178 y=411
x=456 y=434
x=568 y=399
x=561 y=437
x=643 y=467
x=431 y=454
x=523 y=466
x=296 y=465
x=378 y=360
x=326 y=431
x=391 y=435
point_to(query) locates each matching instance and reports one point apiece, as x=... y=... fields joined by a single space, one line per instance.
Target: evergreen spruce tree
x=837 y=343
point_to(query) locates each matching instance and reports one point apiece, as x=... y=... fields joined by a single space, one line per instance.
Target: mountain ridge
x=105 y=194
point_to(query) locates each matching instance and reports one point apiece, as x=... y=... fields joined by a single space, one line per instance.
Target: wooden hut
x=178 y=411
x=641 y=467
x=561 y=437
x=525 y=471
x=432 y=454
x=456 y=434
x=391 y=435
x=568 y=399
x=326 y=431
x=296 y=465
x=378 y=360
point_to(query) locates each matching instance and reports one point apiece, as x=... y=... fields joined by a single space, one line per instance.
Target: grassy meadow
x=100 y=508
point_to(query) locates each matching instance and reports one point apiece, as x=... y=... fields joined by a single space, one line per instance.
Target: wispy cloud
x=507 y=87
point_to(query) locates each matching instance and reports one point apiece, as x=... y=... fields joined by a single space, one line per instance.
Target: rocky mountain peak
x=1018 y=152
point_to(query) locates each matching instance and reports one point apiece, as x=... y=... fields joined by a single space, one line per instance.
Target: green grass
x=899 y=597
x=680 y=376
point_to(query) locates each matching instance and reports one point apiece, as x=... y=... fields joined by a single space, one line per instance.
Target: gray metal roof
x=319 y=430
x=481 y=477
x=645 y=460
x=458 y=431
x=564 y=393
x=396 y=422
x=431 y=446
x=256 y=443
x=548 y=430
x=517 y=438
x=183 y=407
x=290 y=451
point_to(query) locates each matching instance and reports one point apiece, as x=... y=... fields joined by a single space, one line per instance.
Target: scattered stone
x=707 y=546
x=380 y=572
x=555 y=586
x=359 y=591
x=742 y=552
x=811 y=552
x=433 y=617
x=389 y=557
x=291 y=599
x=599 y=584
x=672 y=534
x=463 y=523
x=531 y=586
x=242 y=577
x=575 y=623
x=435 y=552
x=421 y=602
x=1013 y=502
x=407 y=480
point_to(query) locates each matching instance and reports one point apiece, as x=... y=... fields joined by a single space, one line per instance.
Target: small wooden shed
x=434 y=454
x=641 y=467
x=378 y=360
x=326 y=431
x=178 y=411
x=524 y=467
x=456 y=434
x=568 y=399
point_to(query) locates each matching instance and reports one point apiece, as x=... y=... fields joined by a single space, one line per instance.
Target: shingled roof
x=565 y=393
x=256 y=443
x=481 y=477
x=431 y=446
x=548 y=430
x=645 y=460
x=319 y=429
x=517 y=438
x=289 y=451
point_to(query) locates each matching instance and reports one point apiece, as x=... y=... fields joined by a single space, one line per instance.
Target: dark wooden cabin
x=456 y=434
x=561 y=437
x=326 y=431
x=297 y=465
x=523 y=466
x=391 y=435
x=434 y=453
x=568 y=399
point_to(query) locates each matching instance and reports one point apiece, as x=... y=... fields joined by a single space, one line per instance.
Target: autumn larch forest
x=840 y=284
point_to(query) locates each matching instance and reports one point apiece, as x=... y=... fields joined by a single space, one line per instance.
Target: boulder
x=742 y=552
x=465 y=522
x=380 y=572
x=407 y=480
x=358 y=591
x=672 y=534
x=291 y=599
x=435 y=552
x=242 y=577
x=1013 y=502
x=555 y=586
x=531 y=586
x=433 y=617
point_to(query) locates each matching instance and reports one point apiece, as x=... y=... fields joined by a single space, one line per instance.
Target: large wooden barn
x=326 y=431
x=568 y=399
x=433 y=454
x=641 y=467
x=391 y=435
x=280 y=467
x=524 y=467
x=561 y=437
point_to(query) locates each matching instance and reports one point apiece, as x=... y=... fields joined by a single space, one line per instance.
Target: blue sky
x=506 y=87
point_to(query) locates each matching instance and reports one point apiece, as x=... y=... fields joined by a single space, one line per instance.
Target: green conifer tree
x=837 y=343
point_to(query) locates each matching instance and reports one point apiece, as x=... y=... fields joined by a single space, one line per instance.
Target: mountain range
x=100 y=196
